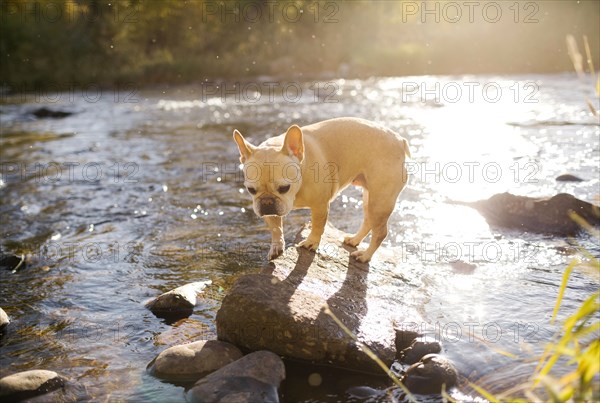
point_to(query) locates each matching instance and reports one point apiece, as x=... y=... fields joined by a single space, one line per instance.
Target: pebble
x=189 y=362
x=27 y=384
x=179 y=302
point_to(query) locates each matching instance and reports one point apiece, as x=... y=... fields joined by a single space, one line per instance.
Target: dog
x=307 y=167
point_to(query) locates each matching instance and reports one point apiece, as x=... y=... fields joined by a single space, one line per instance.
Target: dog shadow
x=348 y=303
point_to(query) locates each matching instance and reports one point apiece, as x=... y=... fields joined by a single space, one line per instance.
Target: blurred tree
x=62 y=43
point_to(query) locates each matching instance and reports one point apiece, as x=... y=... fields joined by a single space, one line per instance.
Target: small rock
x=9 y=261
x=253 y=378
x=462 y=267
x=44 y=112
x=568 y=178
x=179 y=302
x=428 y=375
x=419 y=348
x=404 y=338
x=27 y=384
x=4 y=319
x=362 y=393
x=189 y=362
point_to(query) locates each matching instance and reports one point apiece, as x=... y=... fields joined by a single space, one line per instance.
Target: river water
x=139 y=191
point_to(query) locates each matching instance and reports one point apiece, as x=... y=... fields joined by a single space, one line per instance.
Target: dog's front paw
x=310 y=243
x=276 y=250
x=361 y=255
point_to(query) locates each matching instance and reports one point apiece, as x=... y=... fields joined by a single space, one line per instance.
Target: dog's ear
x=294 y=143
x=246 y=148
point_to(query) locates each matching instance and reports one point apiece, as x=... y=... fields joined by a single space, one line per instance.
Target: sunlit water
x=137 y=193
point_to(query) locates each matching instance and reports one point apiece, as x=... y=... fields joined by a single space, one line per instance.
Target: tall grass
x=578 y=344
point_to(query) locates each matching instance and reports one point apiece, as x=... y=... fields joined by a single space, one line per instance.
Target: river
x=139 y=191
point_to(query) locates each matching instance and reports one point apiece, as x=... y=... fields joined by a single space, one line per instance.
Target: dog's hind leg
x=379 y=209
x=365 y=227
x=378 y=218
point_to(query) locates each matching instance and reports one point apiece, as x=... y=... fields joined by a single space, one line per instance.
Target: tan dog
x=307 y=167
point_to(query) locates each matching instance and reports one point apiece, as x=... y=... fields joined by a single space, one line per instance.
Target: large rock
x=27 y=384
x=179 y=302
x=189 y=362
x=280 y=309
x=544 y=215
x=253 y=378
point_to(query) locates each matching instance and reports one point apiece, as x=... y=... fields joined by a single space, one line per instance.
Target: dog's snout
x=267 y=206
x=267 y=201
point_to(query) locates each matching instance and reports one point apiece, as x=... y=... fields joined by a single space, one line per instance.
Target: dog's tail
x=406 y=149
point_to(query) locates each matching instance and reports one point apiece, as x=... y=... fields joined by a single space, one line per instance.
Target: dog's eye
x=251 y=190
x=283 y=189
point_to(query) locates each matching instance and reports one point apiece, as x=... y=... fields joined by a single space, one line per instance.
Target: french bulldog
x=307 y=167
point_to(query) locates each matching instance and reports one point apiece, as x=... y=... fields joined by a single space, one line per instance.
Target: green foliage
x=576 y=346
x=67 y=43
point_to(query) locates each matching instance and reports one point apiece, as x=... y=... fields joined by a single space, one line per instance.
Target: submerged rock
x=568 y=178
x=462 y=267
x=44 y=112
x=419 y=348
x=27 y=384
x=4 y=319
x=280 y=309
x=9 y=261
x=430 y=374
x=189 y=362
x=543 y=215
x=179 y=302
x=253 y=378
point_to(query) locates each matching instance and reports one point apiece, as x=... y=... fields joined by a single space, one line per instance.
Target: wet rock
x=189 y=362
x=4 y=319
x=568 y=178
x=419 y=348
x=9 y=261
x=177 y=303
x=543 y=215
x=253 y=378
x=429 y=374
x=286 y=300
x=44 y=112
x=405 y=337
x=27 y=384
x=184 y=330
